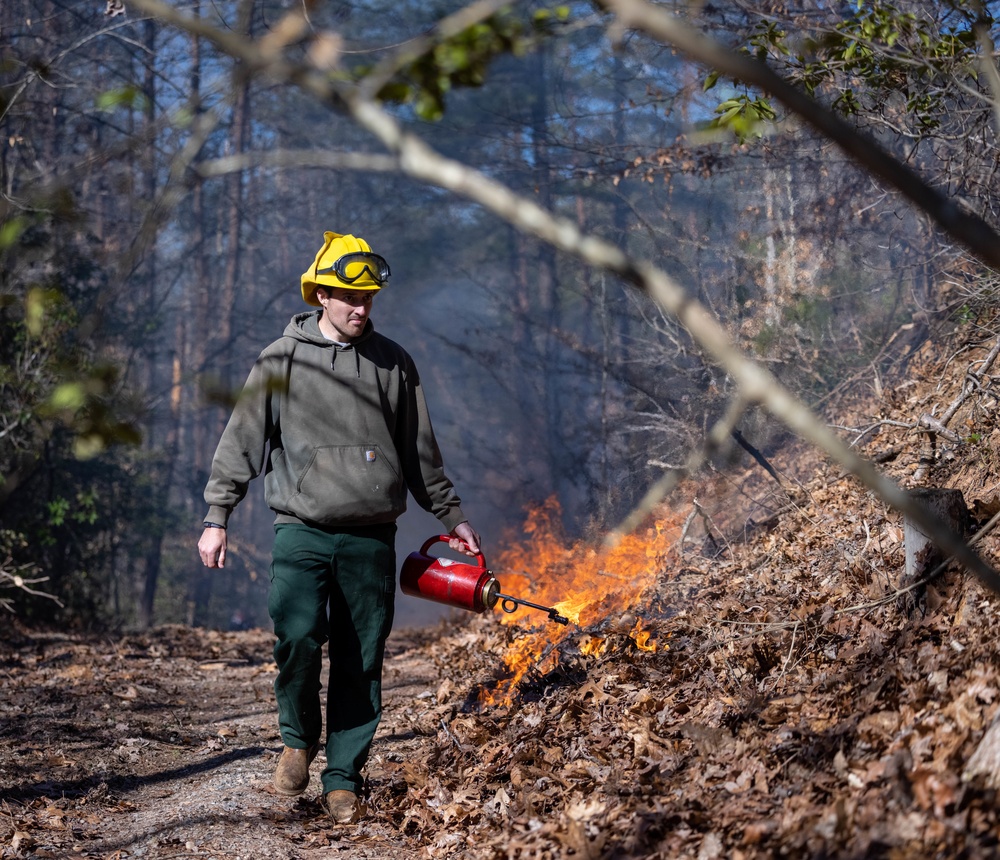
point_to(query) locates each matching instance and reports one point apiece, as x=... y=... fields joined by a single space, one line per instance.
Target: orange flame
x=587 y=585
x=643 y=638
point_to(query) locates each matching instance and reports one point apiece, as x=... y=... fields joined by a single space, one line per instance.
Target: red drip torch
x=454 y=583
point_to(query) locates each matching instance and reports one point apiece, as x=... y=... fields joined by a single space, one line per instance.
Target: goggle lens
x=353 y=267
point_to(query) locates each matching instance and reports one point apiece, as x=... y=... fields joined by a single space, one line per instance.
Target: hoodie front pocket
x=348 y=483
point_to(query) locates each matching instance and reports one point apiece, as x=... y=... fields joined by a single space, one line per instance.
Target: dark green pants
x=335 y=585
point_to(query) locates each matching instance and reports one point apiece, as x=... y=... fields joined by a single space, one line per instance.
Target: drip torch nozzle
x=509 y=604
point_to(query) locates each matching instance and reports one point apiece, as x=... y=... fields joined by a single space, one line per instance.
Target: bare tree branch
x=717 y=437
x=755 y=384
x=372 y=162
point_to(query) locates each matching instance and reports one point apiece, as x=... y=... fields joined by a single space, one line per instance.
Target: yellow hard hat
x=347 y=262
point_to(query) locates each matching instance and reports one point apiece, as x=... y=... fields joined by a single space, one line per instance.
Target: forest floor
x=762 y=691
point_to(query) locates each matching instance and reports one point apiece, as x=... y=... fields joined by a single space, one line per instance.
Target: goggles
x=352 y=267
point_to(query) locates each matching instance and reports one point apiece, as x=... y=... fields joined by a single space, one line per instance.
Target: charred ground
x=791 y=707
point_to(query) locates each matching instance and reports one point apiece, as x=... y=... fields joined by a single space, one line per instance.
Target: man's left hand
x=465 y=539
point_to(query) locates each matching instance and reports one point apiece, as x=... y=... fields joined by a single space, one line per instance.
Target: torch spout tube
x=510 y=604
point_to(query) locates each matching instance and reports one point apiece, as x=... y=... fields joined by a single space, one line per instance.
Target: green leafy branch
x=878 y=50
x=744 y=116
x=462 y=60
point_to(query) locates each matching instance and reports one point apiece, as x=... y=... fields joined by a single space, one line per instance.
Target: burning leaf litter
x=593 y=589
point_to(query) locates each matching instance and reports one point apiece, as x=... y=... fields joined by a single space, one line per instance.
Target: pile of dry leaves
x=771 y=697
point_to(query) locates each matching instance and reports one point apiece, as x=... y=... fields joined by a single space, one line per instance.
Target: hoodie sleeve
x=241 y=452
x=423 y=466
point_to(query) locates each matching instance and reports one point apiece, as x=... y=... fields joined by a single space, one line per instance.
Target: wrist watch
x=213 y=526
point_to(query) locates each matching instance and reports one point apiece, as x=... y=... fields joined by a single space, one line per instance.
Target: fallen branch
x=14 y=577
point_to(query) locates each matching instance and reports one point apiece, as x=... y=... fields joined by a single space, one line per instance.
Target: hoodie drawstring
x=357 y=359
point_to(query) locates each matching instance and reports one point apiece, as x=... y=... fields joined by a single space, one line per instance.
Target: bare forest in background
x=164 y=186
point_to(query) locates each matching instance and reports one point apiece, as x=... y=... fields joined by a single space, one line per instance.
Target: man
x=334 y=416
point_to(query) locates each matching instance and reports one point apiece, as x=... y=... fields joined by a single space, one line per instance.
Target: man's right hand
x=465 y=539
x=212 y=547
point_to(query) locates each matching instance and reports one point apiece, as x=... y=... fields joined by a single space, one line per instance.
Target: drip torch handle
x=433 y=539
x=509 y=604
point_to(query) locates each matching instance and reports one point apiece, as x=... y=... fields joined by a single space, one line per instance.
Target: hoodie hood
x=305 y=327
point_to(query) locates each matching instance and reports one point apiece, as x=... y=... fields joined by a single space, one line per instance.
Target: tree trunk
x=923 y=557
x=198 y=306
x=985 y=761
x=201 y=581
x=160 y=487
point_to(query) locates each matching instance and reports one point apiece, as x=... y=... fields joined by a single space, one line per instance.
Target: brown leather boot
x=291 y=776
x=345 y=807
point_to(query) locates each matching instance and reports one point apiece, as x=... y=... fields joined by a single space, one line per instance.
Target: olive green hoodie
x=341 y=431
